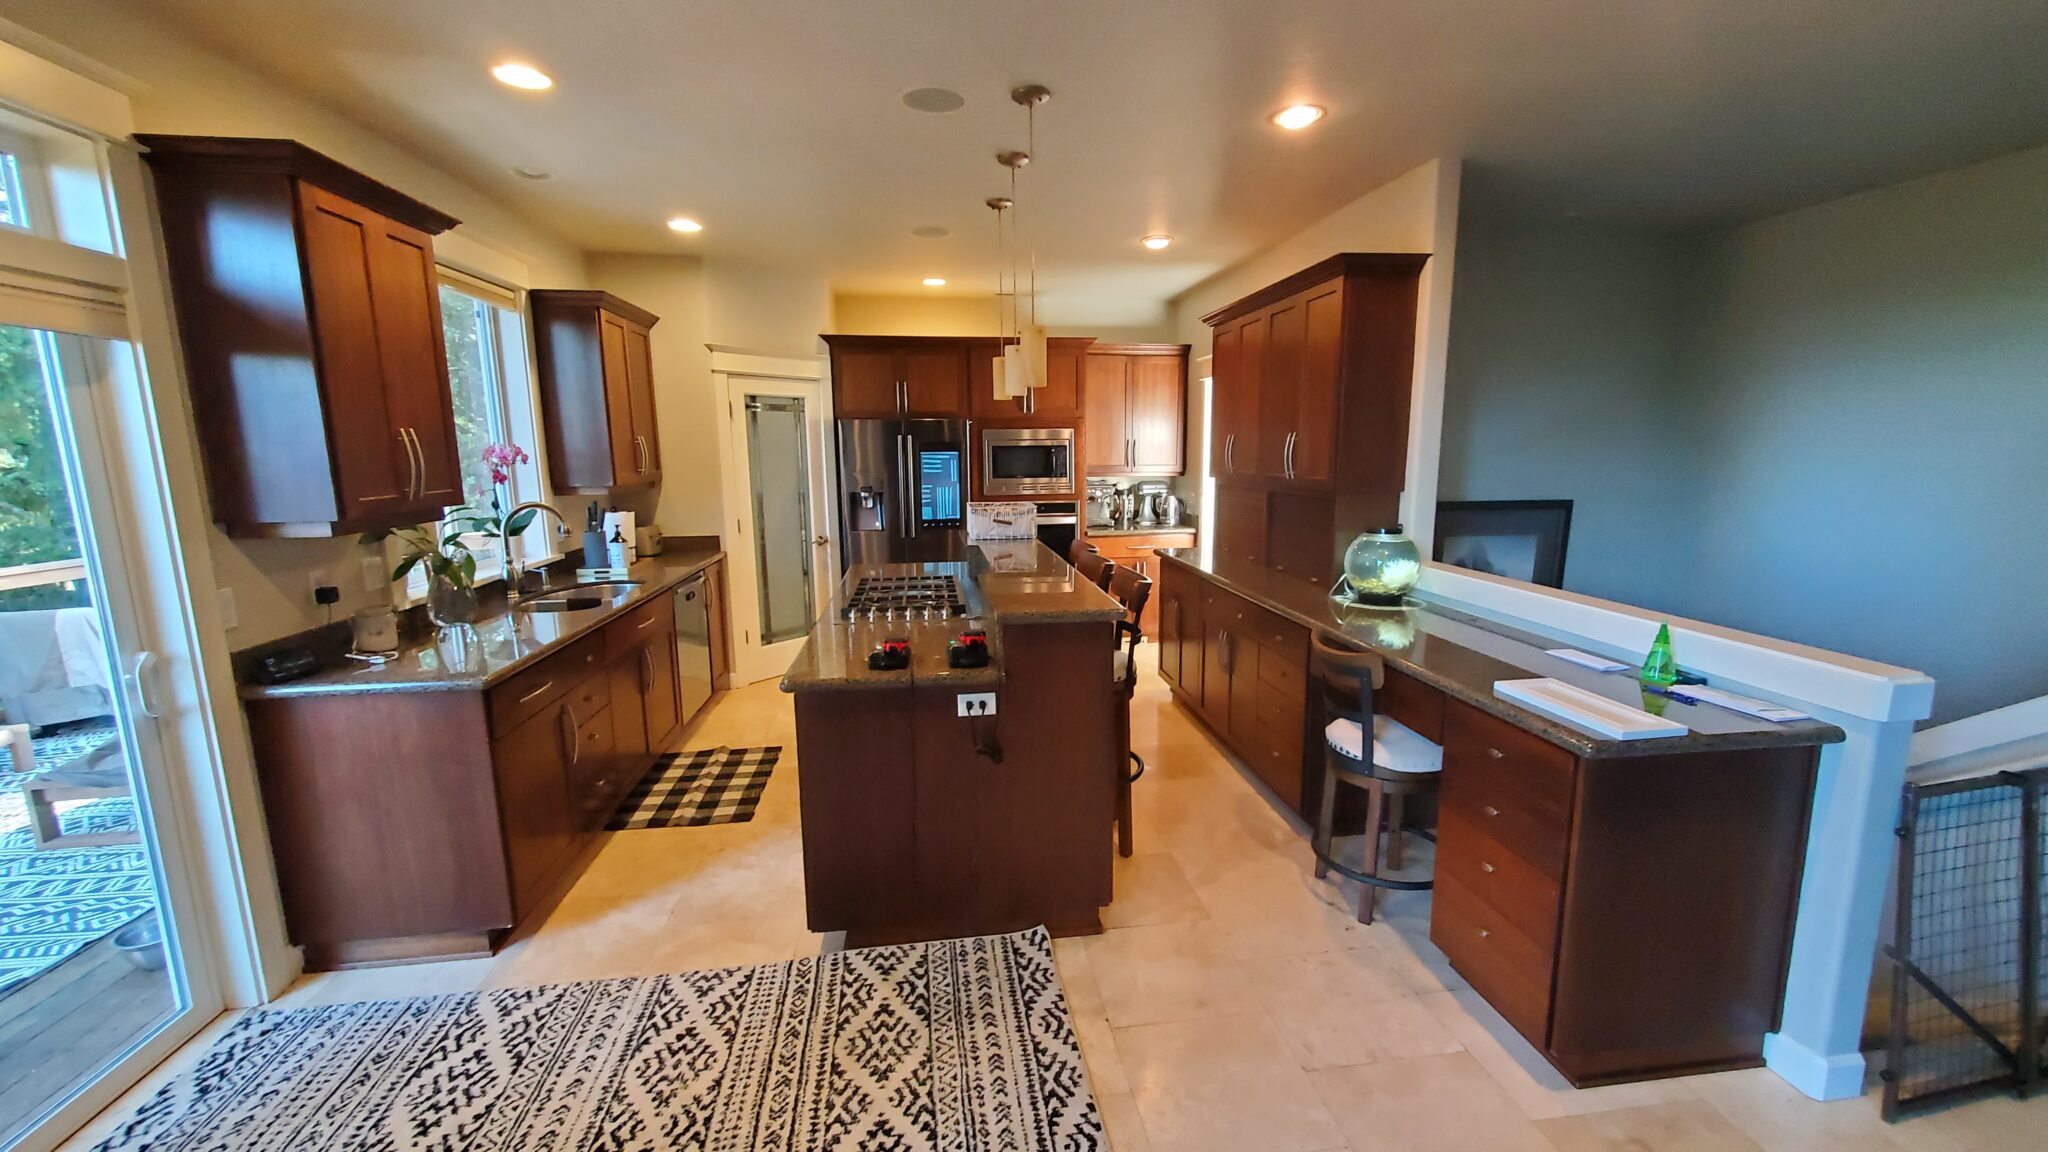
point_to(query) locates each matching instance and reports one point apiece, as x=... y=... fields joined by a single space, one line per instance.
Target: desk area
x=1626 y=906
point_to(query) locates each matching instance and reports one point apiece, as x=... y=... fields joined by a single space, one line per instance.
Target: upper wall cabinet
x=1136 y=409
x=596 y=390
x=311 y=324
x=1056 y=405
x=883 y=377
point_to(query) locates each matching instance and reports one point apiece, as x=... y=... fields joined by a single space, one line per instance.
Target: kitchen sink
x=579 y=598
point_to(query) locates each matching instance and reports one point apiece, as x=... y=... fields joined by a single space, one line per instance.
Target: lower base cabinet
x=430 y=823
x=1244 y=671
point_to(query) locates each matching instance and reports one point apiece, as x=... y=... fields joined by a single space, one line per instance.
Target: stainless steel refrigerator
x=904 y=488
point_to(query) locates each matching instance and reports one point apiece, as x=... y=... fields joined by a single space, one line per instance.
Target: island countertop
x=1002 y=583
x=1463 y=655
x=507 y=640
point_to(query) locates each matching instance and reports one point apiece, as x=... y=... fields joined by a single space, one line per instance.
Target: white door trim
x=734 y=376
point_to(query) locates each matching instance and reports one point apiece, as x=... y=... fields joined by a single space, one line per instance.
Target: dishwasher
x=693 y=645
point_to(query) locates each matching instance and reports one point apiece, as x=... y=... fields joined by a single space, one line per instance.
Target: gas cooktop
x=904 y=598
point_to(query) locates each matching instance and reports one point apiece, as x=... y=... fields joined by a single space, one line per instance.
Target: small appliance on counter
x=375 y=630
x=647 y=541
x=1103 y=499
x=1154 y=505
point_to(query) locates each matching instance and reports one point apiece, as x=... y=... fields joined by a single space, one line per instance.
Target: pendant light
x=1021 y=367
x=1031 y=336
x=1000 y=371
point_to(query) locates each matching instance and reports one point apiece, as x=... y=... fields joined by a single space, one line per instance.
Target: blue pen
x=1668 y=694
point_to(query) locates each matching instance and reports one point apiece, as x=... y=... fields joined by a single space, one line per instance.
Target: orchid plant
x=444 y=547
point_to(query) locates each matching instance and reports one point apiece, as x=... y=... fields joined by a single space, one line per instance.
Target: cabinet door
x=1192 y=645
x=864 y=383
x=1244 y=696
x=618 y=399
x=1061 y=396
x=935 y=381
x=373 y=460
x=406 y=295
x=1322 y=357
x=1168 y=603
x=1241 y=449
x=640 y=402
x=1107 y=451
x=1216 y=644
x=1239 y=522
x=1158 y=407
x=1280 y=386
x=628 y=676
x=533 y=798
x=660 y=685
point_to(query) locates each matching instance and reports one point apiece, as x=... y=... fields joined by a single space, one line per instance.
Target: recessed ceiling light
x=930 y=232
x=522 y=76
x=685 y=224
x=1156 y=241
x=935 y=281
x=533 y=174
x=934 y=100
x=1295 y=117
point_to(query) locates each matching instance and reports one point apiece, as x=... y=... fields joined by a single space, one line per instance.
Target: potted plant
x=444 y=548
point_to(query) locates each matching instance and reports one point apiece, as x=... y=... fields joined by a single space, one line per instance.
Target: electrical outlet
x=374 y=576
x=976 y=703
x=225 y=597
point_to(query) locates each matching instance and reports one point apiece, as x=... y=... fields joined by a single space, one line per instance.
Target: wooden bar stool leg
x=1396 y=801
x=1375 y=803
x=1124 y=837
x=1325 y=819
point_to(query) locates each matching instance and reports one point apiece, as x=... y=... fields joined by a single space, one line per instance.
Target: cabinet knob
x=1496 y=753
x=1485 y=867
x=1490 y=810
x=1483 y=933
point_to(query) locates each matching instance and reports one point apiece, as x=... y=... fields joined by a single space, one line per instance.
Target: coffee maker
x=1156 y=505
x=1104 y=503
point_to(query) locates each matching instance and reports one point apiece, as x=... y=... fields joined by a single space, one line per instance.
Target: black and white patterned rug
x=952 y=1046
x=686 y=789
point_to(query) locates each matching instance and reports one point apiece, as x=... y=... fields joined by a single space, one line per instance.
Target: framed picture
x=1518 y=539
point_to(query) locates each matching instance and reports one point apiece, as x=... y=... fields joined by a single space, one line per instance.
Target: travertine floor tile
x=1223 y=1083
x=1150 y=889
x=1683 y=1126
x=1164 y=972
x=1535 y=1087
x=1120 y=1117
x=1782 y=1119
x=1345 y=1007
x=1430 y=1104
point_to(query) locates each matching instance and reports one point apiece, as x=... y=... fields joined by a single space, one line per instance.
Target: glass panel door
x=90 y=966
x=779 y=473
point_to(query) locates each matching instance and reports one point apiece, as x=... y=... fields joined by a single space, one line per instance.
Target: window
x=493 y=399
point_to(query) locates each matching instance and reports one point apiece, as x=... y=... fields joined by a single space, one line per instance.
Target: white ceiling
x=778 y=123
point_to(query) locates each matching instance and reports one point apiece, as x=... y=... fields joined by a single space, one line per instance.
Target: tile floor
x=1232 y=1003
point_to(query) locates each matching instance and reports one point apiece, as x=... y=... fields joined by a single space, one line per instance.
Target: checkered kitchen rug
x=708 y=786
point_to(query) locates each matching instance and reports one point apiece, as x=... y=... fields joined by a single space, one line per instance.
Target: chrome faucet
x=512 y=568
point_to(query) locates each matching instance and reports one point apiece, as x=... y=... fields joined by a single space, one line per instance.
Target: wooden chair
x=1096 y=568
x=1394 y=764
x=1078 y=549
x=1132 y=589
x=98 y=774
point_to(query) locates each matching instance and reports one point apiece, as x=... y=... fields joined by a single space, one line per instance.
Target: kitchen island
x=922 y=820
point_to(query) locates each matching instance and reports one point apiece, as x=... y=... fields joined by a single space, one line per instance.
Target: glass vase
x=450 y=603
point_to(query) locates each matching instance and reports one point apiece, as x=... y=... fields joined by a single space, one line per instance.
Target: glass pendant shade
x=1016 y=374
x=1034 y=356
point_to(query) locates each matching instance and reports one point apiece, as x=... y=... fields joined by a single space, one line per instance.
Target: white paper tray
x=1588 y=710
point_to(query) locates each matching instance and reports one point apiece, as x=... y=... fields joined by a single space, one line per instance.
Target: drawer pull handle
x=644 y=623
x=1483 y=933
x=1485 y=867
x=1494 y=752
x=536 y=691
x=1490 y=810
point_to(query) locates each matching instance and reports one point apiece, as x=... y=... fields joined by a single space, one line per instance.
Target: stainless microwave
x=1027 y=461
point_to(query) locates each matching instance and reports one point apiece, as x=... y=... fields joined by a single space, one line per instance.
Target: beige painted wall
x=178 y=85
x=937 y=315
x=1415 y=212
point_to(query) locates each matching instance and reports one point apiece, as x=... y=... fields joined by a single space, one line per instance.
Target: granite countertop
x=506 y=640
x=1462 y=655
x=1003 y=583
x=1185 y=528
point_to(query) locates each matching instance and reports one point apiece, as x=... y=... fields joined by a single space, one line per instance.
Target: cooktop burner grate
x=902 y=595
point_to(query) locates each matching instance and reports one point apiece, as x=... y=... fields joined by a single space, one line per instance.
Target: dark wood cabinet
x=883 y=377
x=1057 y=404
x=1141 y=552
x=1322 y=358
x=1136 y=410
x=596 y=367
x=309 y=314
x=380 y=861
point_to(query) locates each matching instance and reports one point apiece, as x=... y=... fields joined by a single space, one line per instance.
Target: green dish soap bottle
x=1659 y=668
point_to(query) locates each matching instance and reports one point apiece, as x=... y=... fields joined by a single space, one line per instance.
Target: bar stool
x=1132 y=589
x=1078 y=549
x=1095 y=568
x=1399 y=763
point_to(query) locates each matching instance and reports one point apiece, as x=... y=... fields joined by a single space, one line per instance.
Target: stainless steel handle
x=1483 y=933
x=902 y=397
x=412 y=465
x=1287 y=455
x=1485 y=867
x=569 y=727
x=910 y=492
x=646 y=670
x=1230 y=452
x=1495 y=753
x=647 y=623
x=536 y=691
x=419 y=452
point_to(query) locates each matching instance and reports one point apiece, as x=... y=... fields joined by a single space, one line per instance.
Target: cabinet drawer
x=527 y=692
x=1413 y=703
x=1276 y=757
x=1504 y=966
x=1279 y=709
x=1283 y=675
x=589 y=697
x=1502 y=880
x=594 y=740
x=1515 y=793
x=1277 y=634
x=639 y=625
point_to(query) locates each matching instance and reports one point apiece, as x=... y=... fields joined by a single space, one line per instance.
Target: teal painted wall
x=1854 y=395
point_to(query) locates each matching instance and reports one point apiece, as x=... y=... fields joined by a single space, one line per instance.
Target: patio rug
x=54 y=903
x=710 y=786
x=953 y=1045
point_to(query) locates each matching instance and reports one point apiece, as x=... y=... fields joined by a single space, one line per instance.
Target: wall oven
x=1027 y=462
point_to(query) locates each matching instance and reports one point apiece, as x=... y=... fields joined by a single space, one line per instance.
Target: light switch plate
x=976 y=703
x=225 y=598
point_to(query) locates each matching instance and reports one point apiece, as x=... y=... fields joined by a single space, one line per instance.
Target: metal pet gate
x=1968 y=957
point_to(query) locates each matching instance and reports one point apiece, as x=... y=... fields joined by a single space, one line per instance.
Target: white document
x=1748 y=706
x=1587 y=710
x=1586 y=659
